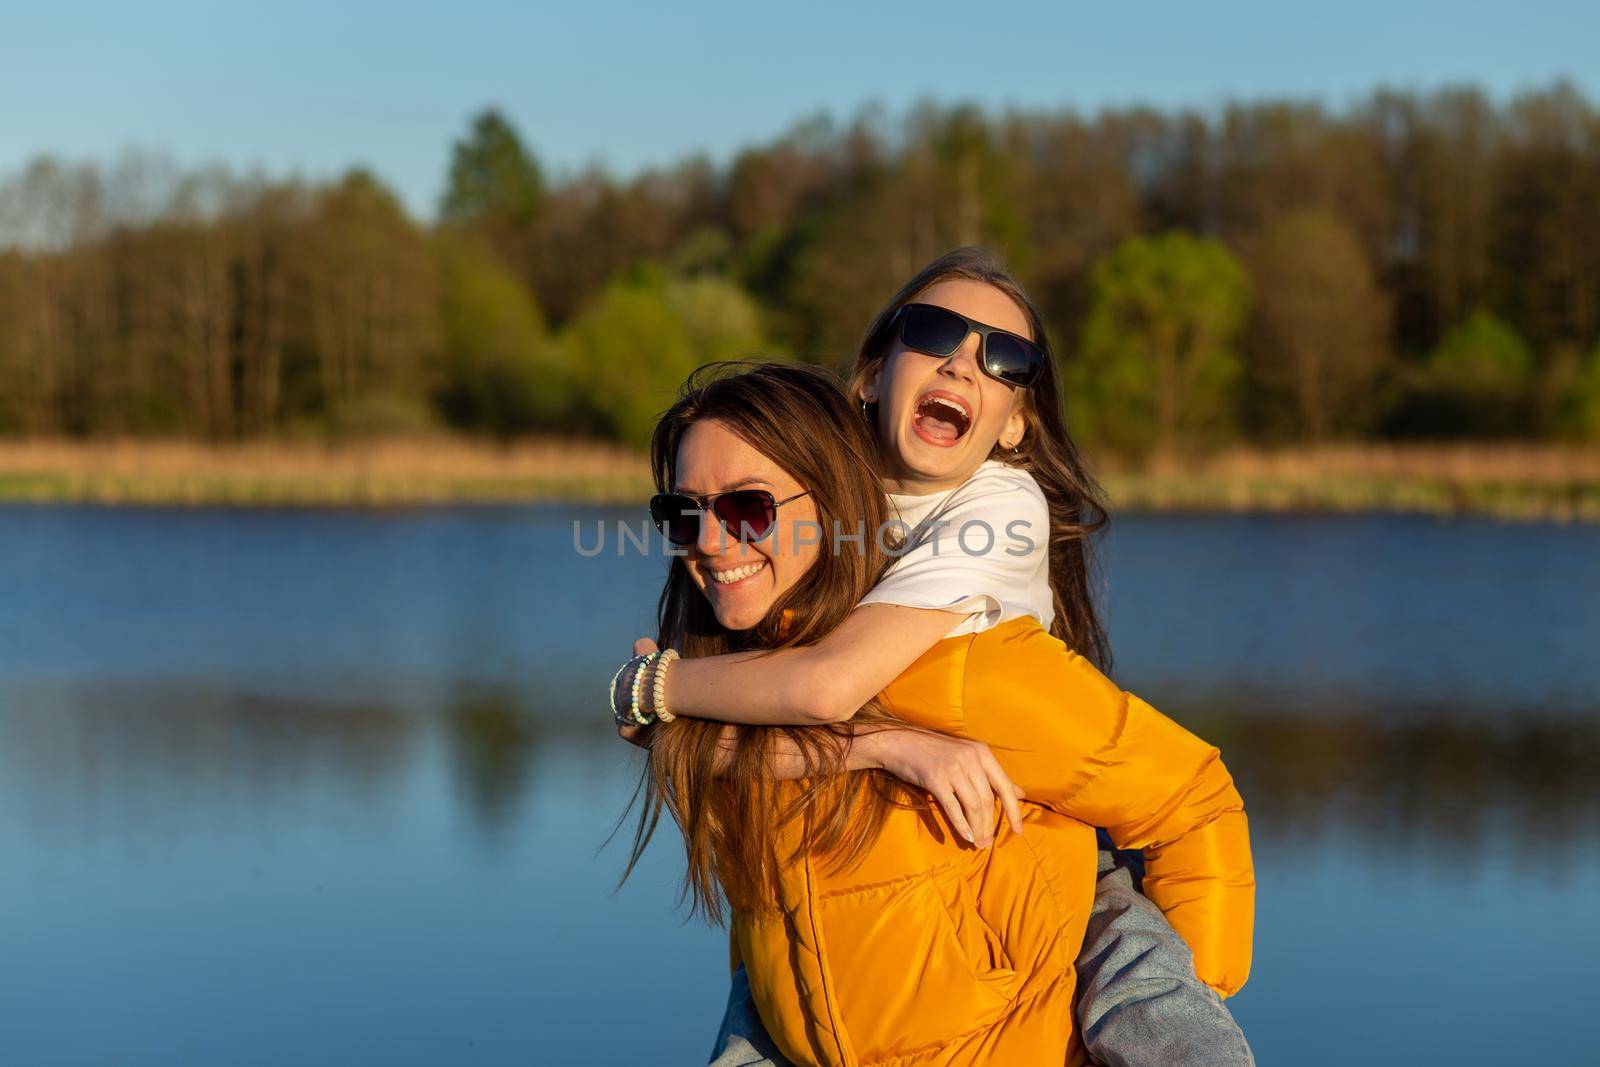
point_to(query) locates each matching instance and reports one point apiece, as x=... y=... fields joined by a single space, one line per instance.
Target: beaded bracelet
x=658 y=686
x=631 y=716
x=638 y=682
x=611 y=695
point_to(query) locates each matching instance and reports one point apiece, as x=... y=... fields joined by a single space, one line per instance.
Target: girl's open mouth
x=941 y=419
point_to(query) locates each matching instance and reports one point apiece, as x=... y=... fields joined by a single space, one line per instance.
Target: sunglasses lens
x=1012 y=359
x=747 y=513
x=676 y=516
x=932 y=330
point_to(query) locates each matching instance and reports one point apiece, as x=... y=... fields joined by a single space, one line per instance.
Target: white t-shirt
x=981 y=548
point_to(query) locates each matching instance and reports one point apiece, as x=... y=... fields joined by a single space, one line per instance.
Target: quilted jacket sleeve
x=1080 y=745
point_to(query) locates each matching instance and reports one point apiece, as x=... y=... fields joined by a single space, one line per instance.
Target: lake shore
x=1511 y=481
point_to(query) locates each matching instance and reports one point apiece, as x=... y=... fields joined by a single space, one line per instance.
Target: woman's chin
x=738 y=616
x=737 y=610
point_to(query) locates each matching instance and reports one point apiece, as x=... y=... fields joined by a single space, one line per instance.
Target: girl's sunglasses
x=938 y=331
x=748 y=514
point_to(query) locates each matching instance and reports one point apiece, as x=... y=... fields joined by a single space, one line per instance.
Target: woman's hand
x=963 y=776
x=628 y=731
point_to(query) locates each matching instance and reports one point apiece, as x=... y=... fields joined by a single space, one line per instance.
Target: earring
x=864 y=406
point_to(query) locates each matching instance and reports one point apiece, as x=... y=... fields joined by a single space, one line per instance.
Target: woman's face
x=743 y=580
x=927 y=447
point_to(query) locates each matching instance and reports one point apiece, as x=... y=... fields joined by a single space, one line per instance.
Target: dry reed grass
x=1517 y=480
x=1524 y=462
x=398 y=471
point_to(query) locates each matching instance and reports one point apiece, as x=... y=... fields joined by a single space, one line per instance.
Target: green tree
x=498 y=370
x=1080 y=203
x=1478 y=381
x=1585 y=403
x=643 y=335
x=1158 y=366
x=371 y=319
x=493 y=178
x=1547 y=231
x=1323 y=322
x=1484 y=356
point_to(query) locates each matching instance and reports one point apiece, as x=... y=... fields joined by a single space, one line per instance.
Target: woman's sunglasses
x=938 y=331
x=748 y=514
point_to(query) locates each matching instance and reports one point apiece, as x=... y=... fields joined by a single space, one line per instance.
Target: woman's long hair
x=735 y=824
x=1076 y=501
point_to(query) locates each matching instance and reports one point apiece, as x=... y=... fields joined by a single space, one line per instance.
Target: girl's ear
x=869 y=388
x=1016 y=426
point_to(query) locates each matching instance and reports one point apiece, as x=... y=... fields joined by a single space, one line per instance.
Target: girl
x=961 y=391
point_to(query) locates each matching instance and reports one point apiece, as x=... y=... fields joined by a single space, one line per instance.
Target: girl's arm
x=1079 y=744
x=821 y=683
x=961 y=774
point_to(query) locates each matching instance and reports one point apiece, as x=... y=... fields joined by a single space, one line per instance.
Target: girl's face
x=928 y=447
x=743 y=580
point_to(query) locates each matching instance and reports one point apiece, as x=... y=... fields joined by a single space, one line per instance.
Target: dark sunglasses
x=938 y=331
x=748 y=514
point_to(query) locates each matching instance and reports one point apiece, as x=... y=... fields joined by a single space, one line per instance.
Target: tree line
x=1409 y=266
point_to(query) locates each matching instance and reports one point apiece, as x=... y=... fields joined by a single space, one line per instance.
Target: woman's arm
x=1079 y=744
x=961 y=774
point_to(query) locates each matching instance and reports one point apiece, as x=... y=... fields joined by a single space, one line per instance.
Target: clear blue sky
x=314 y=87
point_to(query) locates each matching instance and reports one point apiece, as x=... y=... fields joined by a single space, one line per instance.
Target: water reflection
x=108 y=759
x=492 y=747
x=1453 y=790
x=125 y=757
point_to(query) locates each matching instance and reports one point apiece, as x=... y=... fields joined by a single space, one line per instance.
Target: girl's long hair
x=1077 y=503
x=741 y=826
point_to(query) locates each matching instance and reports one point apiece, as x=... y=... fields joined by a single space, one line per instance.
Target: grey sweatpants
x=1139 y=1002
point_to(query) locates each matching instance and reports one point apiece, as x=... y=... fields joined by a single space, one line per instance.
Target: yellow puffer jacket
x=931 y=951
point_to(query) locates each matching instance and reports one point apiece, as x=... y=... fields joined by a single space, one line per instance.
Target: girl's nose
x=963 y=362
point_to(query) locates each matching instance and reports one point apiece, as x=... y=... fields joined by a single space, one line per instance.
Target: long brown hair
x=1076 y=501
x=735 y=824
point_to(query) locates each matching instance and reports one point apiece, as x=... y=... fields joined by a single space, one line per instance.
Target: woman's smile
x=732 y=577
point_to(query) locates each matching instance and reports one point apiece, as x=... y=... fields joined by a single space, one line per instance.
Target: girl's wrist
x=658 y=685
x=638 y=690
x=628 y=699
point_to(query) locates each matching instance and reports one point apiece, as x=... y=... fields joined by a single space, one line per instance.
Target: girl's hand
x=627 y=731
x=963 y=776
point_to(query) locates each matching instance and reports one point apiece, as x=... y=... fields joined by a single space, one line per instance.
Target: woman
x=849 y=880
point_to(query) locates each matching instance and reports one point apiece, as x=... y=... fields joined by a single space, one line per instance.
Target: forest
x=1410 y=267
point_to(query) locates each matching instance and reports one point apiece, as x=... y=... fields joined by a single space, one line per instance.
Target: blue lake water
x=314 y=786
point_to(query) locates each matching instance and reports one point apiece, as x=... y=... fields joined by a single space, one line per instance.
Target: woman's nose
x=713 y=539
